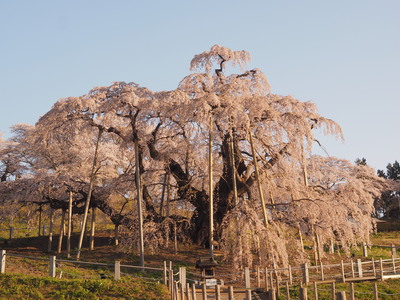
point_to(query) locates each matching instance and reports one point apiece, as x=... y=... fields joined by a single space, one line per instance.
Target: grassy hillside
x=28 y=287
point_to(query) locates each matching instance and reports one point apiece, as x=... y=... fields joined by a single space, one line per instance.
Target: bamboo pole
x=89 y=195
x=211 y=192
x=258 y=180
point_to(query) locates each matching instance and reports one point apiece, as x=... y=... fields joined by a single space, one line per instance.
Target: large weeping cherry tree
x=267 y=184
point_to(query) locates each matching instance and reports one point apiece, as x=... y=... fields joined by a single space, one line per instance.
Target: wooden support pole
x=89 y=195
x=52 y=268
x=260 y=191
x=92 y=229
x=258 y=277
x=3 y=262
x=211 y=191
x=69 y=225
x=394 y=251
x=117 y=270
x=139 y=194
x=232 y=148
x=11 y=232
x=247 y=278
x=61 y=232
x=116 y=235
x=394 y=265
x=333 y=291
x=50 y=242
x=381 y=268
x=301 y=238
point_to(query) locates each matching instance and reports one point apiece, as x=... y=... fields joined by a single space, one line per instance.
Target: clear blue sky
x=342 y=55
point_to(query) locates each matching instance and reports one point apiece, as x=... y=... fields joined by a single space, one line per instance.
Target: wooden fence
x=249 y=284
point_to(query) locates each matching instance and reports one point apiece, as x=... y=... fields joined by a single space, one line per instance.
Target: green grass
x=28 y=287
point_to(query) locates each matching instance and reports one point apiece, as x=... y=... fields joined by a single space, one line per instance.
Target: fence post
x=306 y=276
x=394 y=252
x=373 y=266
x=333 y=291
x=3 y=262
x=341 y=296
x=204 y=291
x=171 y=280
x=117 y=270
x=11 y=232
x=365 y=250
x=230 y=293
x=165 y=273
x=352 y=290
x=271 y=294
x=182 y=291
x=315 y=291
x=258 y=277
x=352 y=268
x=248 y=294
x=287 y=291
x=342 y=267
x=218 y=292
x=381 y=268
x=375 y=291
x=182 y=276
x=188 y=291
x=290 y=275
x=52 y=269
x=322 y=271
x=359 y=268
x=303 y=293
x=193 y=291
x=247 y=278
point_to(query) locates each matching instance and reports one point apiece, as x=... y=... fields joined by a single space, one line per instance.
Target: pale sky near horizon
x=342 y=55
